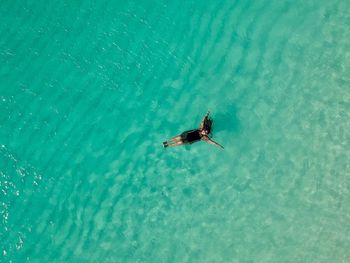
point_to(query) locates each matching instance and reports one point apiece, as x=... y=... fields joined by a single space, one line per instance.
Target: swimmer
x=191 y=136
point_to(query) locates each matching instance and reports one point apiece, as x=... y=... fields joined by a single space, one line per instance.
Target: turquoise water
x=89 y=90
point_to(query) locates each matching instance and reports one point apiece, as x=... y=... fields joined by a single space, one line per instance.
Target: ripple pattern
x=89 y=90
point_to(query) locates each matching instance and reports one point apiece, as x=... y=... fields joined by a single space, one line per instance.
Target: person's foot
x=165 y=144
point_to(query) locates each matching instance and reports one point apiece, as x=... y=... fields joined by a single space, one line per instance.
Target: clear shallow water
x=90 y=90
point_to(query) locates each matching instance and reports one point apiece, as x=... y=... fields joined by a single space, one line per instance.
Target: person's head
x=207 y=125
x=204 y=132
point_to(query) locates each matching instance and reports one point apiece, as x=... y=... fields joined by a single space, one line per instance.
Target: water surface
x=89 y=90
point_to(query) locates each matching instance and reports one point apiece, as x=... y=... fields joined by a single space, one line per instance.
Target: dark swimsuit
x=190 y=136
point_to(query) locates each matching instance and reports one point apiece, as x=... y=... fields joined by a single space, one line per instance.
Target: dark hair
x=207 y=124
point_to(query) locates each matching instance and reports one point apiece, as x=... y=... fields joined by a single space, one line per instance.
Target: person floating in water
x=192 y=136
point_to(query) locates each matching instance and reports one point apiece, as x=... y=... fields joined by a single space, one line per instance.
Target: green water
x=90 y=89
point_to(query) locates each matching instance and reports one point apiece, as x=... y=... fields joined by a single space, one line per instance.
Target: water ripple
x=91 y=94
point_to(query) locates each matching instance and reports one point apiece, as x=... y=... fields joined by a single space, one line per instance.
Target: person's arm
x=208 y=140
x=201 y=126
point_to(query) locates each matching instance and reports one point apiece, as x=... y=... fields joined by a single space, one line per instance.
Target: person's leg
x=175 y=144
x=172 y=141
x=176 y=138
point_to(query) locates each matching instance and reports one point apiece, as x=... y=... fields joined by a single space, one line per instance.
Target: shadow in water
x=227 y=121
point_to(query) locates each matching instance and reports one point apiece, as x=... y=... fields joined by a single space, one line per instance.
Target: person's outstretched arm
x=208 y=140
x=201 y=126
